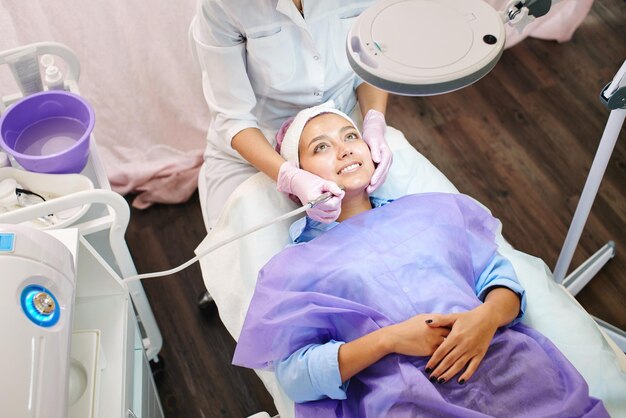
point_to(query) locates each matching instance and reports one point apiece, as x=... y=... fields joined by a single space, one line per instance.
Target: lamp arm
x=519 y=13
x=538 y=8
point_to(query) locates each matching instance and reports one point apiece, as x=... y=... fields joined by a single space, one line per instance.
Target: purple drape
x=419 y=254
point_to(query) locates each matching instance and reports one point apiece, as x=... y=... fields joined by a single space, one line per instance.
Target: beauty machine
x=37 y=297
x=426 y=47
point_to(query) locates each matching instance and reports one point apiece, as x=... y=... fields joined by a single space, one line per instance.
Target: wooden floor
x=521 y=141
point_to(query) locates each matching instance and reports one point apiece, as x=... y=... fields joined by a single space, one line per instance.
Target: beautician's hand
x=307 y=186
x=374 y=127
x=414 y=337
x=466 y=345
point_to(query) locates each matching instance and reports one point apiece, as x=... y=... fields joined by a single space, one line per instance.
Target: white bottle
x=46 y=60
x=53 y=78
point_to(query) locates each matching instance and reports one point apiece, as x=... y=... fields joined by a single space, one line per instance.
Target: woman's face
x=332 y=148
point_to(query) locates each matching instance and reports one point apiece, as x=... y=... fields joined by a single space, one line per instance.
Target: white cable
x=324 y=197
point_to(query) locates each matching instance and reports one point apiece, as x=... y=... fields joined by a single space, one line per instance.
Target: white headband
x=291 y=140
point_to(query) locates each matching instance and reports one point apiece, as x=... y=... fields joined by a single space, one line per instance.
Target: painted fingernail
x=462 y=381
x=442 y=380
x=433 y=379
x=428 y=370
x=429 y=321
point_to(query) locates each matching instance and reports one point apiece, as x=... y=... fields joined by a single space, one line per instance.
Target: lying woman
x=400 y=309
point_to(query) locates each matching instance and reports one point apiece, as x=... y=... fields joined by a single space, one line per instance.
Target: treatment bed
x=230 y=275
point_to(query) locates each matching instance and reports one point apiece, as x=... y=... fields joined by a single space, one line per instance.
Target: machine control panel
x=7 y=242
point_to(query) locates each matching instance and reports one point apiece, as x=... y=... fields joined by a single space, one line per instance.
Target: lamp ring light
x=428 y=47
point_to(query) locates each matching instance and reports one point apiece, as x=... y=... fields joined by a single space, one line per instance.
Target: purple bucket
x=48 y=132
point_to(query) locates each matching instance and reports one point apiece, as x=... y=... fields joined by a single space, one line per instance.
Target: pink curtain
x=138 y=73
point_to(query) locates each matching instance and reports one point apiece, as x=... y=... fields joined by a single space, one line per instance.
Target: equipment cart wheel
x=205 y=301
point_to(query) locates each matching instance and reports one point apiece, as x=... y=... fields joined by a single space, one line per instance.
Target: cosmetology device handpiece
x=321 y=199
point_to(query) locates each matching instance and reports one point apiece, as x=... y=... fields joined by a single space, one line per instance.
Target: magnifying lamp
x=428 y=47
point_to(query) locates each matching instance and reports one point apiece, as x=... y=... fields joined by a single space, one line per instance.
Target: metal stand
x=614 y=97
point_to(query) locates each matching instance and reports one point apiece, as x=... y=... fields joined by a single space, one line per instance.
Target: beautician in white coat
x=264 y=61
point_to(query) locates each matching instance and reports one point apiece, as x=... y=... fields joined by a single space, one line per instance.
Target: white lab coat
x=262 y=62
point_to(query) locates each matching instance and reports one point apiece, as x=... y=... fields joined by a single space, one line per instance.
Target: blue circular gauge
x=40 y=305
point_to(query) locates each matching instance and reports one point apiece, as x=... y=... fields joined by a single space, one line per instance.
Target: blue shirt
x=312 y=372
x=305 y=229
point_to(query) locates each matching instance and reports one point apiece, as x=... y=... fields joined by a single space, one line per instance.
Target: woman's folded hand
x=414 y=337
x=465 y=346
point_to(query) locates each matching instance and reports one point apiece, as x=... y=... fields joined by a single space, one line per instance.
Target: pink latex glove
x=307 y=186
x=374 y=126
